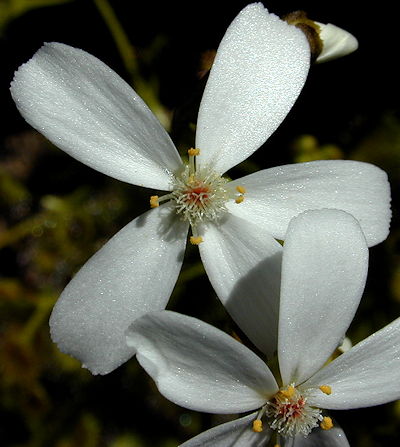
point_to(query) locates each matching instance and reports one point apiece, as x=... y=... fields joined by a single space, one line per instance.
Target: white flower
x=336 y=42
x=84 y=108
x=324 y=268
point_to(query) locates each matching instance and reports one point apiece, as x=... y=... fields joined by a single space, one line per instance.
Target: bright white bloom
x=324 y=268
x=336 y=41
x=84 y=108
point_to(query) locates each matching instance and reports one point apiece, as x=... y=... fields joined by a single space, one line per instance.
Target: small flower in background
x=84 y=108
x=324 y=269
x=327 y=41
x=337 y=42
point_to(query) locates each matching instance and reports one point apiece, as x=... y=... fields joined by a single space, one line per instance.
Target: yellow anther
x=326 y=389
x=196 y=240
x=288 y=393
x=154 y=202
x=239 y=199
x=257 y=426
x=326 y=423
x=277 y=445
x=241 y=189
x=193 y=152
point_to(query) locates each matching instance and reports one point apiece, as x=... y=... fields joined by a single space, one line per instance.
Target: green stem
x=126 y=50
x=121 y=40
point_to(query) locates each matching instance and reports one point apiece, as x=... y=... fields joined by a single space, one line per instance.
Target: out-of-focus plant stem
x=147 y=90
x=121 y=40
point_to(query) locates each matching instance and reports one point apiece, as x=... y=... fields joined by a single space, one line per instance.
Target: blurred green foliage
x=12 y=9
x=57 y=213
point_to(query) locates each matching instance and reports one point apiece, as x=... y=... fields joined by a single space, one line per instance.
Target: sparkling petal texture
x=198 y=366
x=237 y=433
x=276 y=195
x=132 y=274
x=88 y=111
x=243 y=264
x=259 y=70
x=368 y=374
x=324 y=268
x=334 y=437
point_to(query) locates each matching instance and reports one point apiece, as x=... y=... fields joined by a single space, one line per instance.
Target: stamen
x=326 y=389
x=154 y=203
x=240 y=189
x=239 y=199
x=290 y=414
x=193 y=152
x=257 y=426
x=155 y=200
x=257 y=423
x=198 y=194
x=288 y=393
x=196 y=240
x=192 y=155
x=326 y=423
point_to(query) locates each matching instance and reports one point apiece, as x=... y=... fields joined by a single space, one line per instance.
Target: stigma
x=199 y=195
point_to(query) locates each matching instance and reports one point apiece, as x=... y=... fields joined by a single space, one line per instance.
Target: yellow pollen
x=277 y=445
x=288 y=393
x=239 y=199
x=257 y=426
x=154 y=202
x=196 y=240
x=326 y=423
x=193 y=152
x=241 y=189
x=326 y=389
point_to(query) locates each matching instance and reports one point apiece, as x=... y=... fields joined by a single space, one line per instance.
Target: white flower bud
x=336 y=42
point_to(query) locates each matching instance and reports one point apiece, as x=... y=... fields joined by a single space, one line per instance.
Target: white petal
x=88 y=111
x=366 y=375
x=198 y=366
x=259 y=70
x=337 y=42
x=243 y=264
x=334 y=437
x=276 y=195
x=132 y=274
x=237 y=433
x=324 y=268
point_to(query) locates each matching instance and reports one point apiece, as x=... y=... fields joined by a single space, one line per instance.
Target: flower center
x=289 y=413
x=199 y=195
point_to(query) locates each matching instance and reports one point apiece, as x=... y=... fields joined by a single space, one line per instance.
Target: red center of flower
x=292 y=409
x=290 y=414
x=197 y=194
